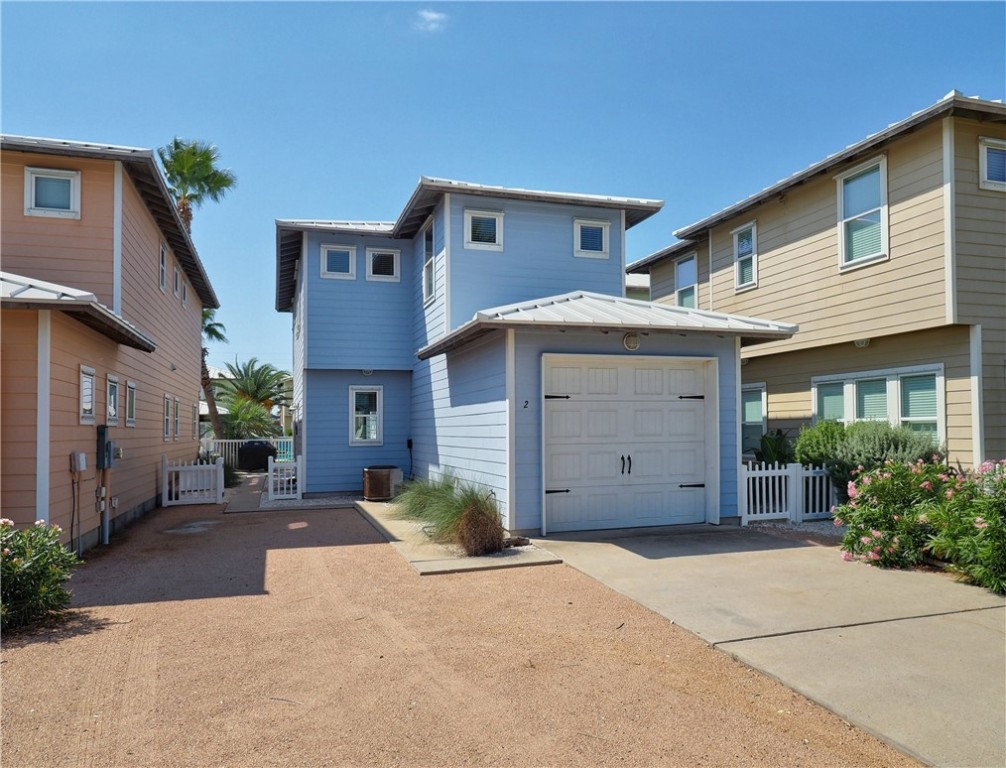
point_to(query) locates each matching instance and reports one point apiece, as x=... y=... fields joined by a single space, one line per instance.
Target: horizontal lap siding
x=531 y=345
x=788 y=377
x=663 y=285
x=459 y=419
x=18 y=393
x=71 y=252
x=537 y=258
x=981 y=272
x=332 y=463
x=358 y=323
x=798 y=263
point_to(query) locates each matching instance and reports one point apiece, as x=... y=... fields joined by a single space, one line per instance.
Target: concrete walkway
x=913 y=657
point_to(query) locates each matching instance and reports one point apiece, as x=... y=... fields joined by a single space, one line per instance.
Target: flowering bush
x=33 y=569
x=900 y=513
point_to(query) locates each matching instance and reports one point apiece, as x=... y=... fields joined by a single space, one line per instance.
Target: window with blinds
x=338 y=262
x=918 y=403
x=685 y=281
x=862 y=214
x=590 y=238
x=992 y=159
x=752 y=418
x=429 y=273
x=871 y=400
x=383 y=265
x=484 y=230
x=365 y=407
x=831 y=402
x=745 y=257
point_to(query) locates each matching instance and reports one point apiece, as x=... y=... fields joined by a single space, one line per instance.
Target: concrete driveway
x=914 y=657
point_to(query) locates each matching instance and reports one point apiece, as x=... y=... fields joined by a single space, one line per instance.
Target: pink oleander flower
x=874 y=556
x=852 y=490
x=875 y=550
x=876 y=534
x=6 y=552
x=927 y=485
x=838 y=522
x=848 y=557
x=888 y=462
x=921 y=461
x=980 y=524
x=916 y=470
x=944 y=477
x=6 y=521
x=853 y=504
x=865 y=539
x=936 y=458
x=40 y=523
x=56 y=528
x=867 y=480
x=950 y=493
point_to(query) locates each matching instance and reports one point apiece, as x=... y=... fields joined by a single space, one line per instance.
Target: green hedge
x=34 y=568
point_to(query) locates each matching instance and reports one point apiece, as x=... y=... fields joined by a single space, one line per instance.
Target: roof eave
x=92 y=315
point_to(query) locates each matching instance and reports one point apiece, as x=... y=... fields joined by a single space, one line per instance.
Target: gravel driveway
x=301 y=638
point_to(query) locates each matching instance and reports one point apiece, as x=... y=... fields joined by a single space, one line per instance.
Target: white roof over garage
x=584 y=310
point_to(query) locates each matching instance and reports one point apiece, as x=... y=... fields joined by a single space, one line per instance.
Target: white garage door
x=625 y=441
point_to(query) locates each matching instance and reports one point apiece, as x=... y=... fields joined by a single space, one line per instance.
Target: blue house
x=485 y=333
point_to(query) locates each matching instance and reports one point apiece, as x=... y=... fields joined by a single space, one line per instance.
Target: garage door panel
x=685 y=463
x=648 y=381
x=647 y=464
x=603 y=423
x=564 y=425
x=602 y=381
x=685 y=381
x=648 y=422
x=565 y=468
x=602 y=508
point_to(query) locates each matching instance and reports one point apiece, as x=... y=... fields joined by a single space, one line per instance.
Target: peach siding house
x=891 y=257
x=102 y=295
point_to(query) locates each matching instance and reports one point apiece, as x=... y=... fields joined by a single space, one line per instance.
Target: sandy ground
x=302 y=639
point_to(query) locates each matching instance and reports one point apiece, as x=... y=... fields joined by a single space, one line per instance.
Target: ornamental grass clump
x=479 y=530
x=900 y=515
x=34 y=567
x=466 y=516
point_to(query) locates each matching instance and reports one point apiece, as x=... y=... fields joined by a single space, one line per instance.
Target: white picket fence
x=784 y=491
x=283 y=479
x=228 y=449
x=197 y=482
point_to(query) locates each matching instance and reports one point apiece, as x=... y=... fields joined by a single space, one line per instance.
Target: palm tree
x=247 y=419
x=191 y=169
x=256 y=382
x=212 y=331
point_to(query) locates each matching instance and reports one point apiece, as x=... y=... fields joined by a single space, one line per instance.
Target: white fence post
x=164 y=480
x=794 y=491
x=220 y=479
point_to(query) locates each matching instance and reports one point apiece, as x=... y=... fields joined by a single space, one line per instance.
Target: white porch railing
x=787 y=491
x=228 y=449
x=283 y=479
x=199 y=482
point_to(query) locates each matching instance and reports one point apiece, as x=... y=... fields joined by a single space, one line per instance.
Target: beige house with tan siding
x=102 y=294
x=890 y=255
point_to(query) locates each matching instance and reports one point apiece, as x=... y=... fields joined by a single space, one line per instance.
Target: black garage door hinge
x=557 y=397
x=691 y=397
x=691 y=485
x=565 y=490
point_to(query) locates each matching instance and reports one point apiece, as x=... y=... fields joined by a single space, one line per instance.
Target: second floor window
x=164 y=268
x=382 y=265
x=112 y=402
x=685 y=281
x=52 y=192
x=429 y=273
x=338 y=262
x=590 y=238
x=992 y=162
x=87 y=409
x=130 y=404
x=745 y=257
x=484 y=230
x=862 y=214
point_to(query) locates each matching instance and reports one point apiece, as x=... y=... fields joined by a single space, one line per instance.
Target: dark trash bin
x=254 y=455
x=377 y=482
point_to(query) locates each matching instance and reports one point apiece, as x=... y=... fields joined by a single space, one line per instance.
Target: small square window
x=383 y=265
x=366 y=415
x=591 y=238
x=87 y=407
x=130 y=404
x=686 y=281
x=52 y=192
x=992 y=162
x=484 y=230
x=338 y=262
x=112 y=401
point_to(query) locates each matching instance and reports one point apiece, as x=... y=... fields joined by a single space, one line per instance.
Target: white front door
x=625 y=441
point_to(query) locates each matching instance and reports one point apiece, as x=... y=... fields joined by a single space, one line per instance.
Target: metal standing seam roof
x=18 y=292
x=585 y=310
x=954 y=103
x=149 y=182
x=420 y=205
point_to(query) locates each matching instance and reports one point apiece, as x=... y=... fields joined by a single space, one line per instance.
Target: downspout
x=42 y=411
x=709 y=249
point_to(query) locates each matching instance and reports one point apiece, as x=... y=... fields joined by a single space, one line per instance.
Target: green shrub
x=33 y=569
x=900 y=514
x=817 y=445
x=231 y=476
x=467 y=516
x=867 y=445
x=775 y=448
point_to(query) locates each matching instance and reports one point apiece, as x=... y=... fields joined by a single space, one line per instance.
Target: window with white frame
x=429 y=266
x=178 y=418
x=195 y=421
x=112 y=400
x=908 y=397
x=130 y=404
x=87 y=399
x=52 y=192
x=178 y=281
x=992 y=163
x=591 y=238
x=338 y=262
x=383 y=264
x=185 y=293
x=685 y=281
x=745 y=257
x=484 y=230
x=164 y=268
x=753 y=417
x=862 y=214
x=167 y=418
x=366 y=415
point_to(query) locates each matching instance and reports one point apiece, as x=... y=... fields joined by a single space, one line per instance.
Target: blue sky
x=334 y=110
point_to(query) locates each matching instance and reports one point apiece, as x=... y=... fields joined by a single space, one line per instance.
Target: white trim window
x=51 y=192
x=992 y=163
x=591 y=239
x=429 y=264
x=178 y=418
x=862 y=214
x=338 y=262
x=87 y=399
x=754 y=417
x=167 y=418
x=178 y=282
x=130 y=403
x=195 y=421
x=164 y=268
x=909 y=397
x=686 y=278
x=746 y=257
x=384 y=264
x=112 y=400
x=484 y=230
x=366 y=415
x=185 y=293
